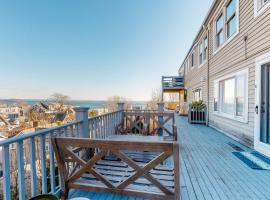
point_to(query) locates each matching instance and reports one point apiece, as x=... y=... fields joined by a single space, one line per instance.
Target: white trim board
x=257 y=11
x=258 y=145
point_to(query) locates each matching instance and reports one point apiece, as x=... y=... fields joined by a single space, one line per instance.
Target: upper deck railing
x=172 y=82
x=28 y=161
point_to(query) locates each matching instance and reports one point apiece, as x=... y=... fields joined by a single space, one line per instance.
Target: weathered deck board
x=209 y=170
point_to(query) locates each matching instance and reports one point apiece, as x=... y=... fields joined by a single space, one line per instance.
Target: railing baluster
x=77 y=131
x=52 y=167
x=43 y=164
x=66 y=131
x=20 y=160
x=6 y=173
x=33 y=167
x=103 y=127
x=72 y=130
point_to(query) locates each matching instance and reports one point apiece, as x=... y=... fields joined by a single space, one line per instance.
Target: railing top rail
x=36 y=133
x=117 y=144
x=98 y=116
x=172 y=77
x=153 y=112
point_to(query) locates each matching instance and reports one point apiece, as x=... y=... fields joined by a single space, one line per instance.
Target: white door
x=262 y=105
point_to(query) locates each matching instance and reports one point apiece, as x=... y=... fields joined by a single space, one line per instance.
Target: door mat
x=254 y=160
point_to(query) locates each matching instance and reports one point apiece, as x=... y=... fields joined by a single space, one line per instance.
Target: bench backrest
x=74 y=166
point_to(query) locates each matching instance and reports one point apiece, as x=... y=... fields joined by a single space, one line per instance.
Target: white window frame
x=192 y=59
x=197 y=89
x=226 y=39
x=219 y=112
x=258 y=11
x=204 y=54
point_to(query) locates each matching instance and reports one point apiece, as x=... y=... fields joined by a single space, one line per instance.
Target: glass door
x=265 y=105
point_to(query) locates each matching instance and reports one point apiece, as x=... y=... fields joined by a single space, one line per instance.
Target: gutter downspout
x=208 y=75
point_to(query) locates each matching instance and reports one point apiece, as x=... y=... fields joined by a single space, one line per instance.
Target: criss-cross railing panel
x=148 y=122
x=81 y=176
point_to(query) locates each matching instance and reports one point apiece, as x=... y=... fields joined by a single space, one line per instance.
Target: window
x=216 y=95
x=203 y=50
x=226 y=23
x=192 y=60
x=197 y=95
x=231 y=18
x=262 y=3
x=230 y=96
x=240 y=96
x=205 y=41
x=201 y=53
x=219 y=31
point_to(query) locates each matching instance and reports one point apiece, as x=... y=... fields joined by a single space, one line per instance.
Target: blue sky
x=93 y=49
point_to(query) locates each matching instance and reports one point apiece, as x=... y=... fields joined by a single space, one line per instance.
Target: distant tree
x=59 y=100
x=111 y=103
x=156 y=97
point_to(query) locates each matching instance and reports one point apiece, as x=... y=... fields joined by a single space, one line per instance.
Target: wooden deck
x=209 y=170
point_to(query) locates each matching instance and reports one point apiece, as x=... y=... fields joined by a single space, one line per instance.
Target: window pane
x=240 y=95
x=261 y=3
x=228 y=96
x=219 y=23
x=216 y=91
x=231 y=9
x=231 y=27
x=205 y=48
x=205 y=42
x=220 y=39
x=197 y=95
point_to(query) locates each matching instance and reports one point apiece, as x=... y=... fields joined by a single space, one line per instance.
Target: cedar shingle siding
x=252 y=40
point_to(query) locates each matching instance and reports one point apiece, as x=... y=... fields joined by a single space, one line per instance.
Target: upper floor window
x=203 y=50
x=219 y=31
x=192 y=60
x=205 y=41
x=226 y=23
x=231 y=18
x=260 y=6
x=262 y=3
x=201 y=53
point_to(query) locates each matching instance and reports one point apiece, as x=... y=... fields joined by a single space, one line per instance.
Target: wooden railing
x=28 y=162
x=27 y=159
x=172 y=82
x=86 y=174
x=148 y=122
x=104 y=126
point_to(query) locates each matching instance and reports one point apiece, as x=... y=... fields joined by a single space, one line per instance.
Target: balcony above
x=172 y=83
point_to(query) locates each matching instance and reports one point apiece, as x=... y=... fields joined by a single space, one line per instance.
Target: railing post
x=82 y=115
x=160 y=117
x=121 y=106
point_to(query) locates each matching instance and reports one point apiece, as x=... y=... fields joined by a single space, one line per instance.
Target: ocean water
x=81 y=103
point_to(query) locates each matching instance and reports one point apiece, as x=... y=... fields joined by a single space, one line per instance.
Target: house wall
x=238 y=54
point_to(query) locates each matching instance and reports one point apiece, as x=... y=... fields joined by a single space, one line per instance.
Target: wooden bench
x=133 y=168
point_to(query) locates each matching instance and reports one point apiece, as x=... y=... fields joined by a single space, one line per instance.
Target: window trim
x=226 y=39
x=259 y=11
x=243 y=119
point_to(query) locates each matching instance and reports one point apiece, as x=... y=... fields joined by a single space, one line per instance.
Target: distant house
x=228 y=67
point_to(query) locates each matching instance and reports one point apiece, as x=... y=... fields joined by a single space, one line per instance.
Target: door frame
x=258 y=145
